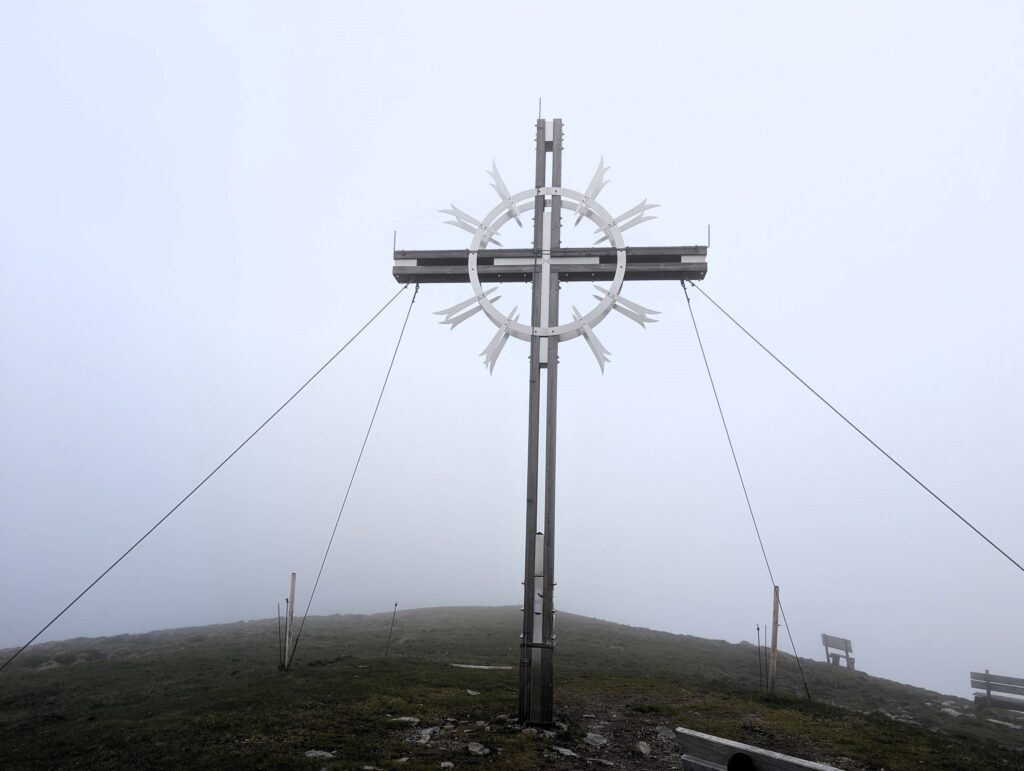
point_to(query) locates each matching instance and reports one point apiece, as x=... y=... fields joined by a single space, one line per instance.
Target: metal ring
x=501 y=214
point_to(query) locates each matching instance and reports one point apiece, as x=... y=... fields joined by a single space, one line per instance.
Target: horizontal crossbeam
x=444 y=266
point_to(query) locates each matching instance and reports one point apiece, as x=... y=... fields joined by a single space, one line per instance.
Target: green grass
x=213 y=697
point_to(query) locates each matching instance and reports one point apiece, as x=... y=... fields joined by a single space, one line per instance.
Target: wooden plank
x=839 y=643
x=1002 y=702
x=717 y=750
x=1000 y=687
x=1001 y=679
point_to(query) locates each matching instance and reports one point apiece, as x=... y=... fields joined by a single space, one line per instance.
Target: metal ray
x=466 y=303
x=456 y=320
x=493 y=349
x=625 y=223
x=593 y=189
x=628 y=308
x=503 y=193
x=600 y=352
x=469 y=223
x=641 y=320
x=460 y=215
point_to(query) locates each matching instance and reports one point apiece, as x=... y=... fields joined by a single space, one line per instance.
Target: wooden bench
x=840 y=644
x=704 y=752
x=1002 y=684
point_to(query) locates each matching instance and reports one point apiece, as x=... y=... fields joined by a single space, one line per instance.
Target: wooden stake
x=760 y=669
x=280 y=640
x=289 y=630
x=773 y=663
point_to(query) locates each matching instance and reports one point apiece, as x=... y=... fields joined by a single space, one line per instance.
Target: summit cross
x=546 y=266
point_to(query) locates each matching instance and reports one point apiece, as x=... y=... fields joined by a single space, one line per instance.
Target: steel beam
x=504 y=265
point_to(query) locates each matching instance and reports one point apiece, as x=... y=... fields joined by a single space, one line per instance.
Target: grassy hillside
x=213 y=697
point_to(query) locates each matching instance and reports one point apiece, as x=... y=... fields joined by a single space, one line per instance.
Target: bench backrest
x=998 y=683
x=838 y=643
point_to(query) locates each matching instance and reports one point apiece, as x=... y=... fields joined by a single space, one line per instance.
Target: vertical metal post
x=550 y=455
x=387 y=646
x=773 y=663
x=536 y=674
x=533 y=450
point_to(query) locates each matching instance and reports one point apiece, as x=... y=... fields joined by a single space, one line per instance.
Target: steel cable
x=743 y=485
x=352 y=478
x=203 y=482
x=851 y=424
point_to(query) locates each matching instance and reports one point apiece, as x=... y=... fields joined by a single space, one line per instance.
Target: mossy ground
x=213 y=697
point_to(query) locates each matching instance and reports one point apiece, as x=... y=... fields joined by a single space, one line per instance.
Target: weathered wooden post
x=760 y=669
x=280 y=640
x=289 y=640
x=773 y=664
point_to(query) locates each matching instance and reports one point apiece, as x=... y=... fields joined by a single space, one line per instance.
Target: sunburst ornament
x=513 y=208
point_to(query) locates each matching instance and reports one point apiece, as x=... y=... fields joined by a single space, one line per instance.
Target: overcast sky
x=197 y=203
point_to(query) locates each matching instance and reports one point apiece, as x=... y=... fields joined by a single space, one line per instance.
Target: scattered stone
x=1003 y=723
x=319 y=754
x=480 y=724
x=472 y=693
x=665 y=732
x=644 y=749
x=595 y=740
x=402 y=760
x=409 y=720
x=447 y=764
x=950 y=711
x=548 y=734
x=601 y=762
x=476 y=748
x=585 y=715
x=428 y=733
x=565 y=751
x=563 y=727
x=530 y=730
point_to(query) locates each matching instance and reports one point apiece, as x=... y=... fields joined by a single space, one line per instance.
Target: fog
x=197 y=208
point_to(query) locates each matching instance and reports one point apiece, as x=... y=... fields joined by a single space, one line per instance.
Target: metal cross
x=545 y=266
